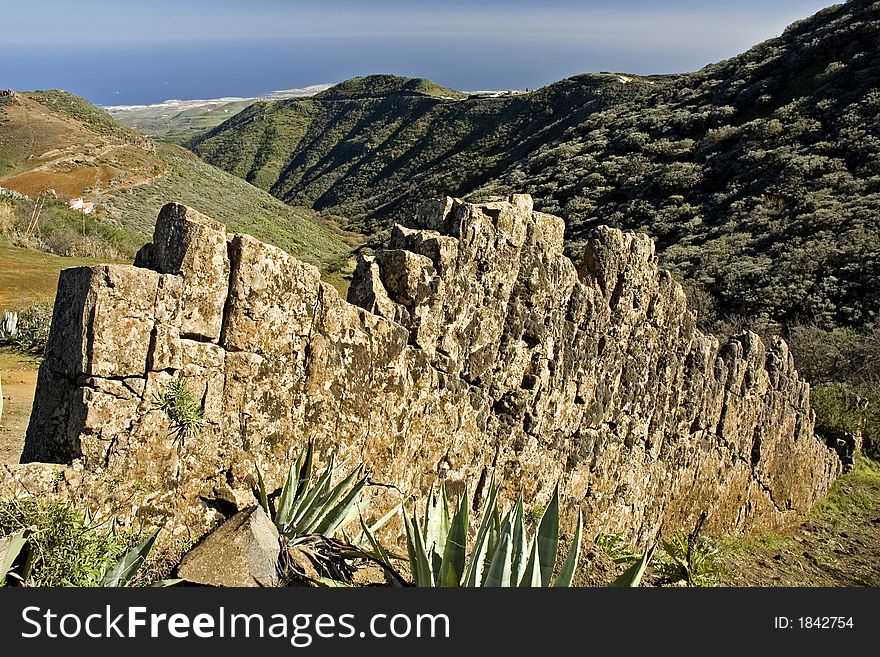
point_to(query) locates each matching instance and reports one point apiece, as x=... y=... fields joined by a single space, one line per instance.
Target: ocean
x=142 y=73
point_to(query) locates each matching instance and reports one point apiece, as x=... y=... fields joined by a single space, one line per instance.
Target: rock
x=243 y=551
x=471 y=348
x=193 y=246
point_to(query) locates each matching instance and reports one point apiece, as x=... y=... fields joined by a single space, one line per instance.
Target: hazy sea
x=137 y=73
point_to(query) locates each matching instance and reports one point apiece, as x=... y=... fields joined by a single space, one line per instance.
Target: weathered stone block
x=193 y=246
x=272 y=299
x=103 y=319
x=243 y=551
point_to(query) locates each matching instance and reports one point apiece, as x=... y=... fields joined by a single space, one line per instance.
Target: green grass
x=28 y=276
x=65 y=548
x=77 y=108
x=242 y=207
x=853 y=493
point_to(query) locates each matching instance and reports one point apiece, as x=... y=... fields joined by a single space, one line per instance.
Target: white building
x=81 y=205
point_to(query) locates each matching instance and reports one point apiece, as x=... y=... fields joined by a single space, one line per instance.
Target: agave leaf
x=455 y=552
x=165 y=583
x=381 y=552
x=548 y=538
x=411 y=547
x=492 y=538
x=381 y=557
x=568 y=567
x=381 y=522
x=633 y=575
x=376 y=526
x=421 y=567
x=264 y=498
x=129 y=563
x=10 y=547
x=436 y=528
x=479 y=555
x=335 y=516
x=329 y=583
x=286 y=501
x=309 y=494
x=499 y=568
x=531 y=576
x=519 y=542
x=310 y=505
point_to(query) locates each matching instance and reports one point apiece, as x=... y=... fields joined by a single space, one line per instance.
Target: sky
x=136 y=51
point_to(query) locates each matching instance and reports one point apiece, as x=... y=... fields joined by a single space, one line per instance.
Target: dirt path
x=19 y=375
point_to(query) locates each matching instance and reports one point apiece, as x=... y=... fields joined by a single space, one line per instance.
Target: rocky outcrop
x=472 y=348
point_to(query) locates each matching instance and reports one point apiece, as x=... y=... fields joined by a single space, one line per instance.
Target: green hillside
x=55 y=146
x=759 y=176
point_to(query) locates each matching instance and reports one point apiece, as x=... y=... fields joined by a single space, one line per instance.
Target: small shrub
x=48 y=543
x=689 y=560
x=848 y=409
x=179 y=403
x=64 y=548
x=617 y=548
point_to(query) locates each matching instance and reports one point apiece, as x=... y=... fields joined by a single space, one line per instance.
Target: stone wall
x=471 y=348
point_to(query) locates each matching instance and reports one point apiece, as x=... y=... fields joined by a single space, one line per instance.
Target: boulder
x=243 y=551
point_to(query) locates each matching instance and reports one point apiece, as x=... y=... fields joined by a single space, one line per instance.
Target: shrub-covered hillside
x=759 y=176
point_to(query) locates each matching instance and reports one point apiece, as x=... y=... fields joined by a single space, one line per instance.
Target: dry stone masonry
x=471 y=348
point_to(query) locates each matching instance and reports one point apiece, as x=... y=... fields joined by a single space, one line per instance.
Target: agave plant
x=127 y=566
x=10 y=548
x=309 y=502
x=9 y=326
x=503 y=554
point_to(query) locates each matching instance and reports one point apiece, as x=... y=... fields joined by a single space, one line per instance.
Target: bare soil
x=68 y=184
x=19 y=375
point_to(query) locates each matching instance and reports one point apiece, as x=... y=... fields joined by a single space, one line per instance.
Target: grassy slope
x=758 y=176
x=57 y=139
x=28 y=276
x=242 y=207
